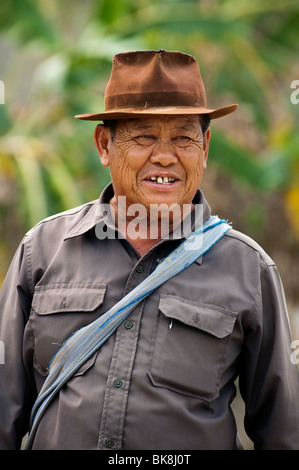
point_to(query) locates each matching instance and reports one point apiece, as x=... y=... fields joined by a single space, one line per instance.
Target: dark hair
x=205 y=122
x=112 y=124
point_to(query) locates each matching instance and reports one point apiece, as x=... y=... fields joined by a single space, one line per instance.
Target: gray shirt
x=165 y=379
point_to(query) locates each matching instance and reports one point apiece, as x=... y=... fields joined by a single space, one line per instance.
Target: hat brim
x=175 y=110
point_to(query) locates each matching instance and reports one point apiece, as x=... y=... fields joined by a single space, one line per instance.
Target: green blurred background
x=55 y=63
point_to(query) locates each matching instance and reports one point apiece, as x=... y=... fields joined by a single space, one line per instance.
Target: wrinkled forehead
x=182 y=122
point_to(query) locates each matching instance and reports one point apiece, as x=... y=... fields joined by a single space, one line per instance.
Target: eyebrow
x=143 y=127
x=185 y=128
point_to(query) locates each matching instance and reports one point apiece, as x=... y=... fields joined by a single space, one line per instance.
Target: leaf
x=63 y=183
x=292 y=206
x=33 y=199
x=26 y=20
x=263 y=174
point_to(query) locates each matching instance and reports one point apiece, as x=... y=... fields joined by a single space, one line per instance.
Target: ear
x=206 y=147
x=102 y=138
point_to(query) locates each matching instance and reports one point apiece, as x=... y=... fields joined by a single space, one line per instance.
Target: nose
x=163 y=153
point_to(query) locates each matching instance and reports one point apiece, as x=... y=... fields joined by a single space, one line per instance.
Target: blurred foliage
x=55 y=63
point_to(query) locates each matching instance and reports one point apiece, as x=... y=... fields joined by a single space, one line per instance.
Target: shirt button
x=128 y=325
x=139 y=269
x=109 y=443
x=118 y=383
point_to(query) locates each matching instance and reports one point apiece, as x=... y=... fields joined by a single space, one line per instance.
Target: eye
x=145 y=140
x=182 y=141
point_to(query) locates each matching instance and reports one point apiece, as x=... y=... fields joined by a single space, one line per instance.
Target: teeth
x=162 y=179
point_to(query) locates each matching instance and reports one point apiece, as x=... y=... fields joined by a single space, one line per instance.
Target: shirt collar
x=98 y=213
x=95 y=215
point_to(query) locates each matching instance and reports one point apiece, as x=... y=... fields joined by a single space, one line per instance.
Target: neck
x=149 y=226
x=140 y=234
x=142 y=246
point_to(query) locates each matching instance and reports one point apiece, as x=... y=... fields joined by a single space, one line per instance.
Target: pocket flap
x=60 y=298
x=209 y=318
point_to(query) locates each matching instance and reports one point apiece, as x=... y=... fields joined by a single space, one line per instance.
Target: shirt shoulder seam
x=67 y=213
x=27 y=240
x=242 y=238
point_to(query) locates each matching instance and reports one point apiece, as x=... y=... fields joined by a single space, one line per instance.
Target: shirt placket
x=118 y=381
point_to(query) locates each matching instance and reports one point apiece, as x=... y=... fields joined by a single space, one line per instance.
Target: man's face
x=155 y=160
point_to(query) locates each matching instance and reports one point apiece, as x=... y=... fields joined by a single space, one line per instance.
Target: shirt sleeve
x=269 y=381
x=15 y=390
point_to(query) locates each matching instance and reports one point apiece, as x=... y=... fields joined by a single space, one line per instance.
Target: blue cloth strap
x=86 y=341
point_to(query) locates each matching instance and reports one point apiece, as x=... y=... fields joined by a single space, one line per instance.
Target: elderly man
x=163 y=376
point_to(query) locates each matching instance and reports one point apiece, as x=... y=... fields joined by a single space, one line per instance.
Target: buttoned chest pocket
x=189 y=347
x=57 y=312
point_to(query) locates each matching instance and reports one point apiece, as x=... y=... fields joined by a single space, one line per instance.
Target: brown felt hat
x=145 y=83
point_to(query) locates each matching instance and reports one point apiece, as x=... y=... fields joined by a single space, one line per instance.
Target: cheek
x=193 y=182
x=194 y=170
x=123 y=172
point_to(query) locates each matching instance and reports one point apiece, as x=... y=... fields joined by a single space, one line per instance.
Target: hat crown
x=150 y=79
x=148 y=83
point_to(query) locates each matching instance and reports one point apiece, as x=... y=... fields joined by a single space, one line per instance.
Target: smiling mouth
x=162 y=179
